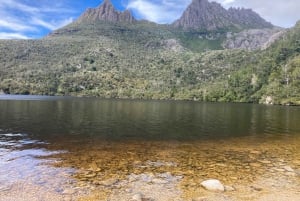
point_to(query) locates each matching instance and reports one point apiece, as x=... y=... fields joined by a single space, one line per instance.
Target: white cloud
x=40 y=7
x=17 y=5
x=227 y=2
x=158 y=11
x=63 y=22
x=15 y=25
x=19 y=18
x=4 y=35
x=280 y=12
x=52 y=25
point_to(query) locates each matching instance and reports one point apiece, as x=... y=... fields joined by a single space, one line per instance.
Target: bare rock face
x=106 y=12
x=205 y=15
x=252 y=39
x=169 y=44
x=248 y=18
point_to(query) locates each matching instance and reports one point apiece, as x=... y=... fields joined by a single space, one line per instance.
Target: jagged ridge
x=106 y=12
x=204 y=15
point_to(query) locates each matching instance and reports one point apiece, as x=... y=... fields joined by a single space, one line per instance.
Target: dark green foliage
x=142 y=61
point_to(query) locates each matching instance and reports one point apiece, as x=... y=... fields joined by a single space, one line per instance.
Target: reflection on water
x=93 y=149
x=24 y=163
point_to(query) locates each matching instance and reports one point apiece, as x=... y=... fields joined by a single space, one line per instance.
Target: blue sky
x=24 y=19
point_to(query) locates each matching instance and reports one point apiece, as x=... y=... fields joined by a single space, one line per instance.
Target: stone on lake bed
x=255 y=152
x=137 y=197
x=257 y=188
x=255 y=164
x=109 y=182
x=288 y=168
x=229 y=188
x=213 y=185
x=68 y=191
x=159 y=181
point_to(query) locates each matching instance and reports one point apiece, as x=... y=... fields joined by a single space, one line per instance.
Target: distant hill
x=107 y=53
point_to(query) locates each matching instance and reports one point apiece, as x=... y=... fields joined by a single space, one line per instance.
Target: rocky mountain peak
x=205 y=15
x=248 y=18
x=106 y=12
x=202 y=14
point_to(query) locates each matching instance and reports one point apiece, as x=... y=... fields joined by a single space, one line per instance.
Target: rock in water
x=137 y=197
x=229 y=188
x=288 y=168
x=213 y=185
x=109 y=182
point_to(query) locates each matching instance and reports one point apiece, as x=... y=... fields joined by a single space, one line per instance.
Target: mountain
x=105 y=54
x=205 y=15
x=106 y=12
x=247 y=18
x=252 y=39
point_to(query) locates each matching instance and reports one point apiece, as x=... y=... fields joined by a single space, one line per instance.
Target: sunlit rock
x=213 y=185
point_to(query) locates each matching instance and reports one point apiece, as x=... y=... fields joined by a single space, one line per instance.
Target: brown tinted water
x=54 y=148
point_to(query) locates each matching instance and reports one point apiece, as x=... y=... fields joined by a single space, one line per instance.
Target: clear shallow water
x=62 y=143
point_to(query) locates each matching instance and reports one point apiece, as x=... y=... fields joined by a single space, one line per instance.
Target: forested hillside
x=144 y=60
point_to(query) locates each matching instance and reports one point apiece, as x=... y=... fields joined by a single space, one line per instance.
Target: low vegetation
x=149 y=61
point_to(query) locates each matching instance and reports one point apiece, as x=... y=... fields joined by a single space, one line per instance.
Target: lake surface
x=64 y=148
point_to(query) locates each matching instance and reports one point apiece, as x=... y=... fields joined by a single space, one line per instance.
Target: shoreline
x=4 y=96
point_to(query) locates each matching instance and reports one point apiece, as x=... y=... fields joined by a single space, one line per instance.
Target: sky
x=28 y=19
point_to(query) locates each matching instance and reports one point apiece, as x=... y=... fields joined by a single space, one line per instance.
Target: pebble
x=68 y=198
x=290 y=174
x=265 y=161
x=137 y=197
x=279 y=169
x=255 y=164
x=128 y=190
x=288 y=168
x=200 y=199
x=68 y=191
x=109 y=182
x=5 y=188
x=159 y=181
x=229 y=188
x=234 y=178
x=257 y=188
x=213 y=185
x=255 y=152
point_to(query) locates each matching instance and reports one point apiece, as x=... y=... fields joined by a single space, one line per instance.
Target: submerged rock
x=159 y=181
x=288 y=168
x=137 y=197
x=229 y=188
x=257 y=188
x=213 y=185
x=109 y=182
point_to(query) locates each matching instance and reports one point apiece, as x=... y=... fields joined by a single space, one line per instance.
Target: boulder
x=213 y=185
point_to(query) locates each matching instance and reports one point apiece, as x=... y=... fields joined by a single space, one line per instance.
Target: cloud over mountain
x=35 y=18
x=165 y=11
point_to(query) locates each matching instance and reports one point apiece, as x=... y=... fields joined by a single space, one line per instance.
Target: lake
x=65 y=148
